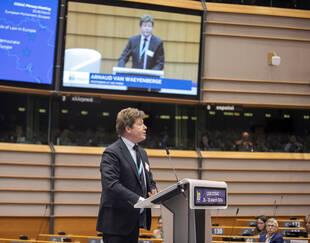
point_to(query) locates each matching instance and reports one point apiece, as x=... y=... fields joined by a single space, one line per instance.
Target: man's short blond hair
x=127 y=117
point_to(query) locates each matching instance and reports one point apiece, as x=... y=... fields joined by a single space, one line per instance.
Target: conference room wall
x=236 y=70
x=102 y=28
x=263 y=183
x=24 y=181
x=257 y=182
x=64 y=222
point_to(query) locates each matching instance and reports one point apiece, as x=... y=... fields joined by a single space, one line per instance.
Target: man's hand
x=152 y=193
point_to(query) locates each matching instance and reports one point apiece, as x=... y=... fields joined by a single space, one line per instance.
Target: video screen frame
x=34 y=61
x=136 y=90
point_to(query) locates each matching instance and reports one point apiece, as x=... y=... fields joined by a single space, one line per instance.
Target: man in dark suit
x=146 y=50
x=126 y=179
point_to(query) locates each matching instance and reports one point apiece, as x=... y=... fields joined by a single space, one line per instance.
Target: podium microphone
x=234 y=224
x=174 y=172
x=275 y=207
x=171 y=164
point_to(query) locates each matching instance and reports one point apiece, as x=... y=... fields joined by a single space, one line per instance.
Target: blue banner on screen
x=206 y=196
x=27 y=40
x=123 y=82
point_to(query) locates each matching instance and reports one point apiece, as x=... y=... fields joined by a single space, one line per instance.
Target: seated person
x=158 y=233
x=307 y=224
x=20 y=137
x=272 y=235
x=293 y=146
x=65 y=137
x=260 y=225
x=244 y=144
x=204 y=142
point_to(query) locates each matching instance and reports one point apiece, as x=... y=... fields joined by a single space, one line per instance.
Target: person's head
x=307 y=223
x=65 y=133
x=272 y=226
x=204 y=139
x=245 y=136
x=129 y=124
x=146 y=25
x=293 y=139
x=261 y=223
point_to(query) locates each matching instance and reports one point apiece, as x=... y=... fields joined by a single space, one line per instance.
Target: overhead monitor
x=108 y=49
x=28 y=30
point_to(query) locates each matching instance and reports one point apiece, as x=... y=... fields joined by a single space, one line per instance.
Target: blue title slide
x=27 y=40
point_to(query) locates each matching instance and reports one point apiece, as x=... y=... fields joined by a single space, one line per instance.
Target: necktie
x=140 y=169
x=138 y=159
x=144 y=43
x=142 y=51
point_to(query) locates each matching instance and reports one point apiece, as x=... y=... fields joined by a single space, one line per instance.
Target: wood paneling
x=4 y=88
x=257 y=10
x=132 y=97
x=14 y=226
x=24 y=148
x=236 y=54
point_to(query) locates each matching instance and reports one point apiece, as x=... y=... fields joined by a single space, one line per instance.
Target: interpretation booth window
x=209 y=196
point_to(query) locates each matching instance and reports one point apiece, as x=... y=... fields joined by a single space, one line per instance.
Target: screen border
x=138 y=5
x=25 y=84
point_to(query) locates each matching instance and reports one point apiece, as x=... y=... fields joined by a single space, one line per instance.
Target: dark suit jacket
x=121 y=189
x=276 y=238
x=156 y=62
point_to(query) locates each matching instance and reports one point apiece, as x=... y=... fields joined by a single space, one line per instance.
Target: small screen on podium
x=209 y=196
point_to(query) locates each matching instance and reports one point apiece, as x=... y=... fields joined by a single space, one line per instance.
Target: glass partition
x=87 y=121
x=24 y=118
x=91 y=122
x=231 y=128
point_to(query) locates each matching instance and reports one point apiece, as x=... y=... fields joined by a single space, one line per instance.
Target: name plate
x=217 y=231
x=92 y=240
x=209 y=196
x=291 y=224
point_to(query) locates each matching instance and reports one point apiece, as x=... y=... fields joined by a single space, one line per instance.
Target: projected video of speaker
x=132 y=49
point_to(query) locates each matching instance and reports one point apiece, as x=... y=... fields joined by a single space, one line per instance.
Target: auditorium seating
x=237 y=229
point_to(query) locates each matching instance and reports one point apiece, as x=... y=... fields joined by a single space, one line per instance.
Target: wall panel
x=260 y=181
x=237 y=47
